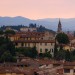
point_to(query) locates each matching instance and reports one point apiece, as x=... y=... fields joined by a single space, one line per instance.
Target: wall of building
x=69 y=73
x=28 y=29
x=41 y=47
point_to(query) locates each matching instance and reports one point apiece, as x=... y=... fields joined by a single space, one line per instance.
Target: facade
x=9 y=28
x=69 y=68
x=67 y=47
x=43 y=41
x=26 y=29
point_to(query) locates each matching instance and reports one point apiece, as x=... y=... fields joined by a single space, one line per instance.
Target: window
x=34 y=44
x=16 y=44
x=25 y=44
x=28 y=38
x=40 y=43
x=66 y=70
x=46 y=50
x=22 y=44
x=41 y=38
x=40 y=50
x=74 y=70
x=45 y=44
x=51 y=44
x=52 y=50
x=28 y=44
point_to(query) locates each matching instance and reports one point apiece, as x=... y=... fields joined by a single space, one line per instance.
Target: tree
x=55 y=49
x=62 y=38
x=67 y=55
x=1 y=32
x=28 y=52
x=7 y=48
x=6 y=57
x=8 y=32
x=41 y=55
x=48 y=55
x=60 y=55
x=34 y=52
x=72 y=54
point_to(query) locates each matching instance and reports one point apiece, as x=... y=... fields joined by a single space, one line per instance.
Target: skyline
x=36 y=9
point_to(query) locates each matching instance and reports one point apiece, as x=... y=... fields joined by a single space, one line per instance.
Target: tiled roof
x=34 y=41
x=11 y=70
x=28 y=34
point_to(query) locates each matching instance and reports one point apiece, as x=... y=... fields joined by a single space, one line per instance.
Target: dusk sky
x=37 y=9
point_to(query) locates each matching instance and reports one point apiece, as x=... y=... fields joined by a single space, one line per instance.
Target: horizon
x=37 y=18
x=36 y=9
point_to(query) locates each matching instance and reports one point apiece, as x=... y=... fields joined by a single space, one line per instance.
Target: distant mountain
x=50 y=23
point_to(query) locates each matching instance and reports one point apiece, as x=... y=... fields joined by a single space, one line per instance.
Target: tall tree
x=62 y=38
x=55 y=50
x=67 y=56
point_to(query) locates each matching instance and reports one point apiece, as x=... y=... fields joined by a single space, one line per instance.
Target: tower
x=59 y=27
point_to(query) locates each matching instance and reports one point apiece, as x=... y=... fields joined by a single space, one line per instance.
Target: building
x=43 y=41
x=59 y=30
x=70 y=46
x=26 y=29
x=11 y=71
x=9 y=28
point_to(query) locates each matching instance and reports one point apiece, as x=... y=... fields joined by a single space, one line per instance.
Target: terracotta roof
x=71 y=37
x=28 y=34
x=11 y=70
x=34 y=41
x=31 y=33
x=68 y=67
x=69 y=63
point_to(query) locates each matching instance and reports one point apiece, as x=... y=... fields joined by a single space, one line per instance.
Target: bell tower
x=59 y=30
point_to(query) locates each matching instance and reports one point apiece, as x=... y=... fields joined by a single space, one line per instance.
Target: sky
x=37 y=9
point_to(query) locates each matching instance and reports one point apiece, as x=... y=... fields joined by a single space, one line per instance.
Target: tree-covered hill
x=40 y=28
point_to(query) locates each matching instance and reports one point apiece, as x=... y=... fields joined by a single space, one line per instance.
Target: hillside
x=50 y=23
x=39 y=29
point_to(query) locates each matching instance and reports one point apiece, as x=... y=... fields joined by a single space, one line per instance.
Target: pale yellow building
x=42 y=46
x=43 y=41
x=67 y=47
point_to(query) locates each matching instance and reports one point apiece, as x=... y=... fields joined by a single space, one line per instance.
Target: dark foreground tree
x=28 y=52
x=60 y=55
x=67 y=55
x=7 y=57
x=62 y=38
